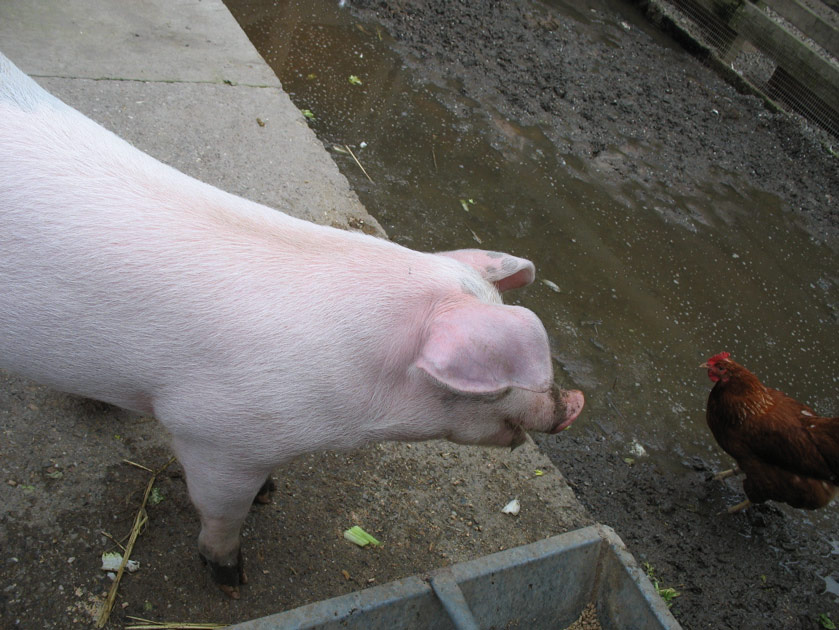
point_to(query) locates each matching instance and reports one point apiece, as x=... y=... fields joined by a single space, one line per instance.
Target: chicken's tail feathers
x=825 y=435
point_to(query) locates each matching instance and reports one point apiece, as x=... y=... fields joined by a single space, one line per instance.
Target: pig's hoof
x=231 y=591
x=263 y=497
x=228 y=577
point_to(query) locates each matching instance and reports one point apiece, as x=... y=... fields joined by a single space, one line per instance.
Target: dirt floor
x=68 y=492
x=587 y=81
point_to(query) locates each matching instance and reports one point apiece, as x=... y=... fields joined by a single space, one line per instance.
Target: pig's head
x=490 y=364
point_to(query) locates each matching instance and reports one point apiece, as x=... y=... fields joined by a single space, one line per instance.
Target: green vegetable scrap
x=307 y=113
x=465 y=203
x=155 y=496
x=355 y=80
x=825 y=621
x=667 y=594
x=359 y=537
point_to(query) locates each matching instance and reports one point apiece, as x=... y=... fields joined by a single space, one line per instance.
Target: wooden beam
x=785 y=49
x=808 y=22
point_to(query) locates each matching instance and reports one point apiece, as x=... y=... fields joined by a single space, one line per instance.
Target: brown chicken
x=787 y=452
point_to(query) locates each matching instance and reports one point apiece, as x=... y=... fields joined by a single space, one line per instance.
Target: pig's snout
x=569 y=405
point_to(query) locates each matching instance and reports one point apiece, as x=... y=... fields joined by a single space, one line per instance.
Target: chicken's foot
x=740 y=506
x=723 y=474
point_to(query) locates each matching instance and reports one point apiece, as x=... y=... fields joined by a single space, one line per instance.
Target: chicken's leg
x=740 y=506
x=723 y=474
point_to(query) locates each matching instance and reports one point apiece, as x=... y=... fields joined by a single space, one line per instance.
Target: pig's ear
x=503 y=270
x=486 y=349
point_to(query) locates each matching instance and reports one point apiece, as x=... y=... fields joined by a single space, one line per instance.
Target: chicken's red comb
x=718 y=357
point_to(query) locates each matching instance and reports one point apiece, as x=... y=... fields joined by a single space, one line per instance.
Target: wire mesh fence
x=772 y=54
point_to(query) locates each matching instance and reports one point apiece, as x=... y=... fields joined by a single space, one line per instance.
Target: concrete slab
x=183 y=83
x=145 y=40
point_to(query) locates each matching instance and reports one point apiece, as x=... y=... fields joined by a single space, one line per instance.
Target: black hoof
x=263 y=497
x=228 y=577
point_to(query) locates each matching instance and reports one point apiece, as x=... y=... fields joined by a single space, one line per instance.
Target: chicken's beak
x=705 y=366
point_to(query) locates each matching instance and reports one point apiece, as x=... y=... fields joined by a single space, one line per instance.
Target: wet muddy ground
x=588 y=74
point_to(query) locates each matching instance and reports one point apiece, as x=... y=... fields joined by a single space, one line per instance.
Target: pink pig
x=251 y=335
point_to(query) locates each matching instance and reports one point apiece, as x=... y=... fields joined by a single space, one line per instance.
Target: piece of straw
x=139 y=520
x=147 y=624
x=359 y=163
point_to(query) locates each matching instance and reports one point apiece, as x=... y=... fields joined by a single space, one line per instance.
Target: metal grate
x=768 y=52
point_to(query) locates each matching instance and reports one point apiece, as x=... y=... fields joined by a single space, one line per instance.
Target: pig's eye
x=494 y=396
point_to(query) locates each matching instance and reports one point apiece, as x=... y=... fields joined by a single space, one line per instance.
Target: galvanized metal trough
x=545 y=584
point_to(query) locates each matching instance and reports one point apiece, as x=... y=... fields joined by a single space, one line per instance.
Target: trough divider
x=448 y=592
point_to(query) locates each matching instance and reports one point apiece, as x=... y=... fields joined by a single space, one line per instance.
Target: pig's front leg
x=222 y=490
x=228 y=570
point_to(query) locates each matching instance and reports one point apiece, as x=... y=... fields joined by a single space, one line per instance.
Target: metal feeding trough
x=546 y=584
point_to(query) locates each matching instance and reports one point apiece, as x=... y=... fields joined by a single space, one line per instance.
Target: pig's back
x=121 y=276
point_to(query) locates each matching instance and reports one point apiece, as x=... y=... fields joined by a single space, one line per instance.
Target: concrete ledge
x=141 y=41
x=184 y=84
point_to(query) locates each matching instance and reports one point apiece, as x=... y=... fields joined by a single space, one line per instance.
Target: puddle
x=652 y=281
